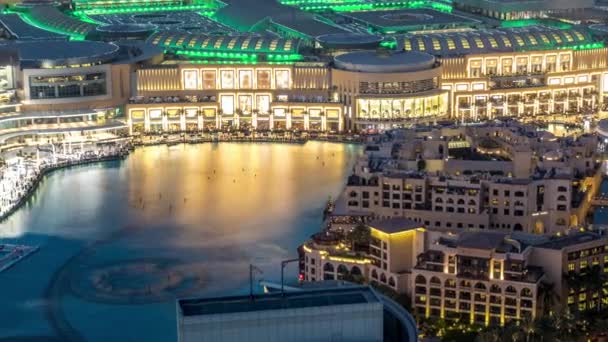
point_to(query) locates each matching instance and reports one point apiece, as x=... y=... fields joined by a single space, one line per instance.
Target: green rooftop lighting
x=206 y=9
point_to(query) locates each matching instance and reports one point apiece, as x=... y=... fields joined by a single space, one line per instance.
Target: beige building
x=392 y=252
x=506 y=176
x=482 y=278
x=191 y=97
x=567 y=260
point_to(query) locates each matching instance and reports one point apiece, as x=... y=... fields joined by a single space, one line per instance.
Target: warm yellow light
x=350 y=260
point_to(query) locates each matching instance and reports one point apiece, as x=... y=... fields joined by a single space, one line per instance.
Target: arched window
x=472 y=202
x=517 y=227
x=450 y=283
x=383 y=278
x=465 y=283
x=435 y=281
x=561 y=198
x=391 y=281
x=450 y=201
x=461 y=201
x=526 y=292
x=480 y=286
x=374 y=274
x=342 y=269
x=419 y=279
x=495 y=289
x=438 y=200
x=352 y=194
x=510 y=290
x=355 y=270
x=328 y=267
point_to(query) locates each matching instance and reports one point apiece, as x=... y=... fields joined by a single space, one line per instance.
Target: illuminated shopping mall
x=176 y=66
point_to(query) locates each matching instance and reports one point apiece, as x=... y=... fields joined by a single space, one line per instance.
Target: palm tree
x=359 y=237
x=548 y=297
x=564 y=324
x=490 y=335
x=528 y=326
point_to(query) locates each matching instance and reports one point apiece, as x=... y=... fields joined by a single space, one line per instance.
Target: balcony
x=516 y=82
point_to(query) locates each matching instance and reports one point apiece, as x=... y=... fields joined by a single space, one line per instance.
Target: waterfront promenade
x=24 y=168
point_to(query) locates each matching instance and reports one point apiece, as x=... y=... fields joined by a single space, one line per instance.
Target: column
x=306 y=121
x=182 y=121
x=288 y=120
x=165 y=122
x=200 y=122
x=146 y=121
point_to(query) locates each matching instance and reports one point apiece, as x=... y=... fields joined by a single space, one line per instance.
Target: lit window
x=478 y=42
x=156 y=39
x=557 y=38
x=218 y=43
x=465 y=43
x=451 y=44
x=571 y=266
x=583 y=264
x=570 y=299
x=421 y=46
x=544 y=38
x=568 y=36
x=168 y=40
x=436 y=45
x=408 y=45
x=493 y=42
x=506 y=41
x=258 y=45
x=273 y=44
x=192 y=42
x=232 y=43
x=180 y=41
x=205 y=43
x=245 y=44
x=519 y=40
x=579 y=36
x=532 y=40
x=287 y=45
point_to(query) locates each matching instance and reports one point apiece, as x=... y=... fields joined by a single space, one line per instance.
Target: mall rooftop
x=499 y=40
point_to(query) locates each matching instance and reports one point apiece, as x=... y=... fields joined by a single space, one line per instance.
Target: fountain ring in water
x=138 y=281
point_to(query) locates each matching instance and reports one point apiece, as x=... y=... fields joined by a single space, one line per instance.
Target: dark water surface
x=118 y=241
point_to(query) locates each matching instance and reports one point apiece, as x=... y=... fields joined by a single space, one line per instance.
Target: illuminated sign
x=209 y=78
x=227 y=103
x=227 y=77
x=264 y=81
x=282 y=79
x=190 y=79
x=263 y=103
x=245 y=79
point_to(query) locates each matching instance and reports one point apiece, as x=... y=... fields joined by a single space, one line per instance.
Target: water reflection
x=213 y=208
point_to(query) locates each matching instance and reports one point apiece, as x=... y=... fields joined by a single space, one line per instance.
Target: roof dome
x=371 y=61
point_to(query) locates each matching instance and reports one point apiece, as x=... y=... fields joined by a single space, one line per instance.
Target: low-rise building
x=503 y=176
x=482 y=278
x=301 y=316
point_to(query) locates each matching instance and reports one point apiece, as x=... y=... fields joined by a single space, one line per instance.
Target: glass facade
x=60 y=86
x=401 y=108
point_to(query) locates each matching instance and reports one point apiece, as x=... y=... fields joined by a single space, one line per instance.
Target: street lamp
x=283 y=264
